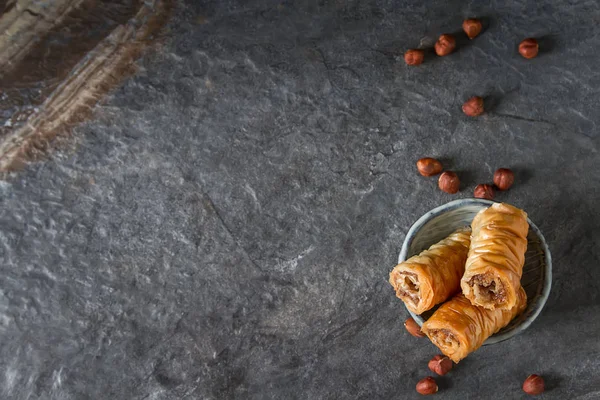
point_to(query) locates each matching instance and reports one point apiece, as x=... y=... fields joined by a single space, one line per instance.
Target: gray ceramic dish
x=537 y=271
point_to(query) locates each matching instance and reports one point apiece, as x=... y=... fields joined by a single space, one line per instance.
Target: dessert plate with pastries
x=473 y=272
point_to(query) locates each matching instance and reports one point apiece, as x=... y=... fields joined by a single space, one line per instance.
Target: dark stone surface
x=225 y=226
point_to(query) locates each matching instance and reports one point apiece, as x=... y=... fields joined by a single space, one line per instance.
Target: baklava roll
x=434 y=275
x=459 y=327
x=495 y=263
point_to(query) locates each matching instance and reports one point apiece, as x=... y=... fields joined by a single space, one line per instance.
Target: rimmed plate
x=537 y=271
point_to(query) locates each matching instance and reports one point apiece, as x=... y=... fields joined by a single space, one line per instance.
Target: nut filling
x=487 y=289
x=407 y=287
x=443 y=338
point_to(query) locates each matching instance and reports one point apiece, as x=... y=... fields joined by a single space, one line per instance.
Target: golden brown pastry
x=434 y=275
x=495 y=263
x=459 y=328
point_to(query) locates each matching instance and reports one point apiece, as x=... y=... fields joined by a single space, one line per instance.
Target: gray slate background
x=225 y=226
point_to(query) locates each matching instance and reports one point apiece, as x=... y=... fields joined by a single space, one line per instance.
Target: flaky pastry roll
x=459 y=327
x=495 y=263
x=434 y=275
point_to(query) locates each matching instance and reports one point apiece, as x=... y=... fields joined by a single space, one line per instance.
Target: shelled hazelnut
x=414 y=57
x=441 y=365
x=473 y=107
x=484 y=191
x=449 y=182
x=428 y=166
x=413 y=328
x=445 y=45
x=534 y=384
x=427 y=386
x=503 y=178
x=529 y=48
x=472 y=27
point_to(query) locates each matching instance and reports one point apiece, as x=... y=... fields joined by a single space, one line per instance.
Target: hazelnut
x=413 y=328
x=445 y=45
x=534 y=384
x=529 y=48
x=449 y=182
x=503 y=178
x=484 y=191
x=414 y=57
x=427 y=386
x=441 y=365
x=429 y=166
x=472 y=27
x=473 y=107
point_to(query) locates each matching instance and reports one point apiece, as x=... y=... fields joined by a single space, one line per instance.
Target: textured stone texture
x=73 y=63
x=225 y=226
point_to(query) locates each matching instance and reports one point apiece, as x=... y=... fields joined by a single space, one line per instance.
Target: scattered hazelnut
x=429 y=166
x=534 y=384
x=441 y=365
x=413 y=328
x=414 y=57
x=445 y=45
x=472 y=27
x=503 y=178
x=427 y=386
x=484 y=191
x=449 y=182
x=473 y=107
x=529 y=48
